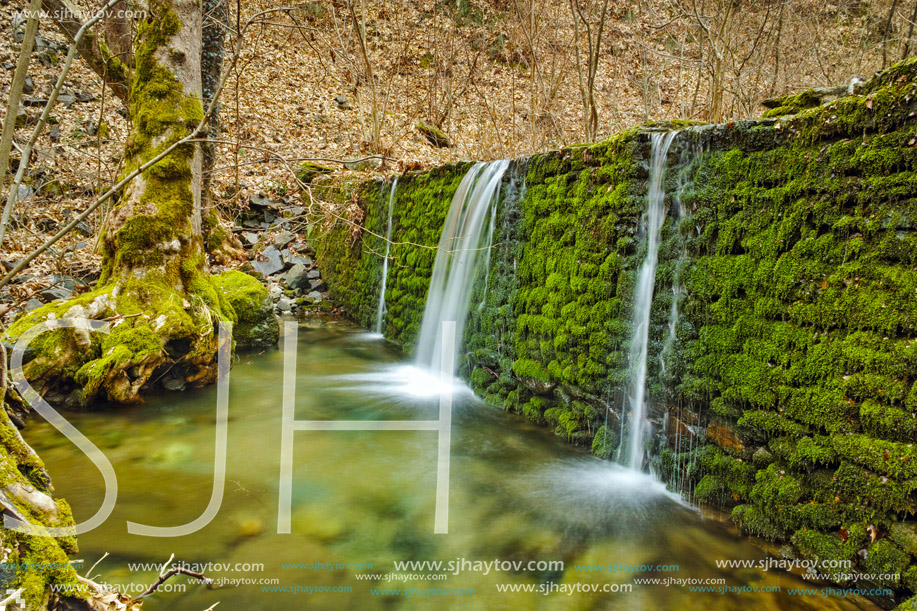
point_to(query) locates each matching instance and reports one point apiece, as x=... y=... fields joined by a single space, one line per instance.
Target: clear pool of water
x=364 y=500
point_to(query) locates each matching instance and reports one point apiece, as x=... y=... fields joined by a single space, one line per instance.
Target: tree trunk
x=118 y=34
x=154 y=280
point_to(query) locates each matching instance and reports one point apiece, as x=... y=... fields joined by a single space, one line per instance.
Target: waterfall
x=380 y=308
x=464 y=237
x=643 y=298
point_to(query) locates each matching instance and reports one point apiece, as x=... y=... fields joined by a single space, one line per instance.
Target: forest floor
x=498 y=85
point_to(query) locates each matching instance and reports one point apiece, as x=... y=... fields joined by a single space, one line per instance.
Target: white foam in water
x=402 y=381
x=596 y=495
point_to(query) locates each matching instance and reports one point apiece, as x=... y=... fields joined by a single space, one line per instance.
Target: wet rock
x=723 y=436
x=269 y=262
x=174 y=384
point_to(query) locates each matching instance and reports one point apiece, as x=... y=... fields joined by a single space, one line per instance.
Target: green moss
x=605 y=442
x=434 y=135
x=308 y=171
x=792 y=104
x=255 y=325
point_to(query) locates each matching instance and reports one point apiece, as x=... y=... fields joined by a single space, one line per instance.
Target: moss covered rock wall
x=783 y=347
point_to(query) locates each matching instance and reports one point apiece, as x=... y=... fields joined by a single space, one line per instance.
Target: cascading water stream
x=643 y=298
x=380 y=308
x=464 y=237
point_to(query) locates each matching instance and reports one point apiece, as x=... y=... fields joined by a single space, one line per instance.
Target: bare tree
x=593 y=29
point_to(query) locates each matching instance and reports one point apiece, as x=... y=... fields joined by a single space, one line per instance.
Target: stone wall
x=781 y=379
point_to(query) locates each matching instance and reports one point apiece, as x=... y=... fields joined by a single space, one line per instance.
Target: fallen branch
x=163 y=577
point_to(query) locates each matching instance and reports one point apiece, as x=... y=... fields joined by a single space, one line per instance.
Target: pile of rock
x=281 y=258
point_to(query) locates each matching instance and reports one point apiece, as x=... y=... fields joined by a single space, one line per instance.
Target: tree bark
x=118 y=34
x=94 y=51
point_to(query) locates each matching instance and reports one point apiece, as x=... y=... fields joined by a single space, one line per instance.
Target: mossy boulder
x=256 y=325
x=308 y=171
x=434 y=135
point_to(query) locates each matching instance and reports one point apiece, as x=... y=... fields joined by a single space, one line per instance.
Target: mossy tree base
x=158 y=332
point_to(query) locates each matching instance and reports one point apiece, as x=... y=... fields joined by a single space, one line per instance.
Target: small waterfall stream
x=380 y=308
x=643 y=299
x=465 y=235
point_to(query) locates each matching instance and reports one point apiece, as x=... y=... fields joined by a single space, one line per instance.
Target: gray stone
x=32 y=304
x=304 y=247
x=284 y=305
x=297 y=277
x=28 y=86
x=66 y=99
x=313 y=274
x=22 y=117
x=251 y=238
x=283 y=238
x=290 y=258
x=174 y=384
x=313 y=297
x=64 y=281
x=55 y=292
x=269 y=262
x=260 y=201
x=317 y=285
